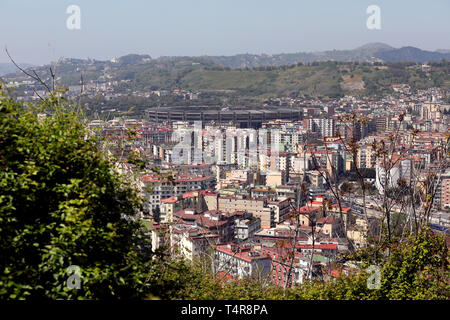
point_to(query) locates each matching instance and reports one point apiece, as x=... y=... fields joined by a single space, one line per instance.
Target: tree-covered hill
x=329 y=79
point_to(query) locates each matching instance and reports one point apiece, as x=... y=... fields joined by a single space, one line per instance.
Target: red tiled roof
x=208 y=222
x=183 y=215
x=306 y=209
x=183 y=178
x=170 y=200
x=244 y=255
x=190 y=194
x=326 y=220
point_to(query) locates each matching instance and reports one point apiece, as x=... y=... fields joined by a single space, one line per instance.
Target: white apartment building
x=389 y=178
x=325 y=126
x=241 y=262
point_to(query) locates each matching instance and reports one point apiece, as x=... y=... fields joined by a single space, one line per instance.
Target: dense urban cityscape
x=240 y=201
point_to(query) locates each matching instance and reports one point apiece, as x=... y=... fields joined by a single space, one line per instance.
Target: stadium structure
x=241 y=117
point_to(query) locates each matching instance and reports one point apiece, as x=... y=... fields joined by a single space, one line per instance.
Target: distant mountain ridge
x=371 y=52
x=412 y=54
x=367 y=53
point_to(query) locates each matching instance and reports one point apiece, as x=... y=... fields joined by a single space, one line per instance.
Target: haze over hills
x=370 y=52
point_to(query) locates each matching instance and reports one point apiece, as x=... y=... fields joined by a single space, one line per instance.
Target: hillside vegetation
x=135 y=73
x=330 y=79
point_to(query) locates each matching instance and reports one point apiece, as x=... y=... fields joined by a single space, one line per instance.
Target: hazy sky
x=35 y=31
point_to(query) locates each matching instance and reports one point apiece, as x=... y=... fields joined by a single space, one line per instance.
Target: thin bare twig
x=35 y=76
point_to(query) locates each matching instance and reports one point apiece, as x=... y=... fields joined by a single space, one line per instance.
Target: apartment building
x=366 y=157
x=445 y=190
x=246 y=227
x=157 y=188
x=281 y=268
x=388 y=175
x=325 y=126
x=257 y=206
x=241 y=261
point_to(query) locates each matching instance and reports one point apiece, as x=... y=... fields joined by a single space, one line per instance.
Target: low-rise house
x=358 y=232
x=330 y=227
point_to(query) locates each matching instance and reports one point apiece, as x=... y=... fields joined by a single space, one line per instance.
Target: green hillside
x=327 y=79
x=330 y=79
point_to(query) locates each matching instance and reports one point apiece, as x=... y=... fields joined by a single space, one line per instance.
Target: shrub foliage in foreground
x=61 y=204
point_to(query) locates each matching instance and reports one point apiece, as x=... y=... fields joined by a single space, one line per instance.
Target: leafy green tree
x=63 y=204
x=156 y=213
x=416 y=269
